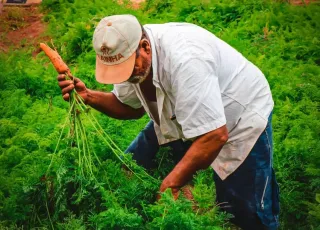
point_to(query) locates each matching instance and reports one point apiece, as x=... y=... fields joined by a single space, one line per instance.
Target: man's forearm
x=200 y=155
x=109 y=104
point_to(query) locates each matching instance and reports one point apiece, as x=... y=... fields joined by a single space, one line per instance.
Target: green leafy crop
x=281 y=39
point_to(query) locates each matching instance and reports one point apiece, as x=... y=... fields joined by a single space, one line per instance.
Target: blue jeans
x=250 y=194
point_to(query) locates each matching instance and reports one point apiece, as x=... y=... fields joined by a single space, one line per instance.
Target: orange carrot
x=56 y=60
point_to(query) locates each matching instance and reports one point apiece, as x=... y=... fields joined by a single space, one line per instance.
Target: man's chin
x=136 y=79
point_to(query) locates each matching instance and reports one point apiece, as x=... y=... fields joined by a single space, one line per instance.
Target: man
x=205 y=100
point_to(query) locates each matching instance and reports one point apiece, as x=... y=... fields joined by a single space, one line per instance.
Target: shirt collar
x=154 y=55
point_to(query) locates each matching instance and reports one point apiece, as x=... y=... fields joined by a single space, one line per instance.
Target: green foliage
x=117 y=218
x=314 y=212
x=183 y=214
x=281 y=39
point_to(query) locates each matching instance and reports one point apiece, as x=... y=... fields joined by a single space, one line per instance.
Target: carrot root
x=56 y=60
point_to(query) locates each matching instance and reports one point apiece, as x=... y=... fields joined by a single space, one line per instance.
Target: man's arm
x=106 y=103
x=109 y=104
x=200 y=155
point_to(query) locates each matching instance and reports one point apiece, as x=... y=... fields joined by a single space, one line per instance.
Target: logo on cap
x=105 y=57
x=105 y=50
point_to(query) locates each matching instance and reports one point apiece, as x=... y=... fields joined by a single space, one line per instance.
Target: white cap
x=115 y=40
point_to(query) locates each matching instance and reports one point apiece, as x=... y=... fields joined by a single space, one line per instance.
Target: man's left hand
x=186 y=190
x=200 y=155
x=166 y=184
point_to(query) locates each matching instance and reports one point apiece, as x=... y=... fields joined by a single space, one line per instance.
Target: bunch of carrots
x=77 y=133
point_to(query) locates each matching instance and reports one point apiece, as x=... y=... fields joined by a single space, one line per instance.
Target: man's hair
x=143 y=36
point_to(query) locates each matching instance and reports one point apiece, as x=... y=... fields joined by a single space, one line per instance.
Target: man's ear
x=145 y=44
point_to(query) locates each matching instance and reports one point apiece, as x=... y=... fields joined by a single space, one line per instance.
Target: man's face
x=142 y=66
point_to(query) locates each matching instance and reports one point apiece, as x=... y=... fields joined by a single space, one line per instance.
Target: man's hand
x=200 y=155
x=68 y=85
x=175 y=191
x=186 y=191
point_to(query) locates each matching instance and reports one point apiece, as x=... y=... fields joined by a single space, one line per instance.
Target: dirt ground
x=22 y=26
x=302 y=2
x=135 y=3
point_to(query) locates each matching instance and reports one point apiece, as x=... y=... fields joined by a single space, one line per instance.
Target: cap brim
x=114 y=74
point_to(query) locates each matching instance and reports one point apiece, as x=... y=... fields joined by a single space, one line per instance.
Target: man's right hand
x=68 y=85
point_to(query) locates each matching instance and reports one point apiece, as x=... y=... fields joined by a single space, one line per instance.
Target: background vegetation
x=281 y=39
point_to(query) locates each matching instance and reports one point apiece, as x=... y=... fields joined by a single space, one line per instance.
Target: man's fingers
x=67 y=89
x=187 y=192
x=61 y=77
x=63 y=84
x=66 y=97
x=175 y=193
x=76 y=80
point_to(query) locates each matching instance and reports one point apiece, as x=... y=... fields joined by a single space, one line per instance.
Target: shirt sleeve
x=198 y=106
x=126 y=93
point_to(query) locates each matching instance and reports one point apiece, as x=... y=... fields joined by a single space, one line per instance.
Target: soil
x=22 y=26
x=135 y=3
x=303 y=2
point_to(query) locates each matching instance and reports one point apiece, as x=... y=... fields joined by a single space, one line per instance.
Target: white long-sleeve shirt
x=206 y=84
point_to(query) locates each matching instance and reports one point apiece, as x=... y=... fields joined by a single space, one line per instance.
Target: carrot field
x=61 y=164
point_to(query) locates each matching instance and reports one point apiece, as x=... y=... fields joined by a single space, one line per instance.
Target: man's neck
x=148 y=89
